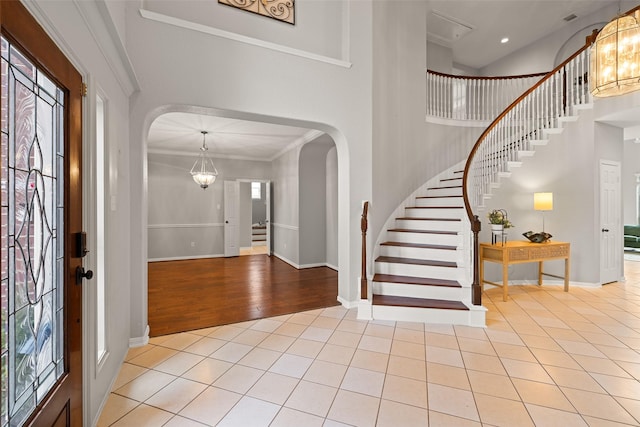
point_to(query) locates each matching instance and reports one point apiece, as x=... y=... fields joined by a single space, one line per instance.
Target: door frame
x=18 y=25
x=267 y=183
x=617 y=233
x=231 y=230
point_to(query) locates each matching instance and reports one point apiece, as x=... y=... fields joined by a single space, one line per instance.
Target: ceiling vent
x=570 y=17
x=444 y=29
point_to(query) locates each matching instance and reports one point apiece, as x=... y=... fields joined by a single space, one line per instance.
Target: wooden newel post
x=363 y=273
x=475 y=286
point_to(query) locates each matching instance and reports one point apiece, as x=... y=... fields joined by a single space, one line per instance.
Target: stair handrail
x=476 y=98
x=364 y=293
x=475 y=221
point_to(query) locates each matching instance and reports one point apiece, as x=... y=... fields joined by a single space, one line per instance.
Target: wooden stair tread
x=435 y=207
x=415 y=261
x=449 y=186
x=419 y=245
x=396 y=301
x=259 y=227
x=410 y=280
x=409 y=230
x=428 y=219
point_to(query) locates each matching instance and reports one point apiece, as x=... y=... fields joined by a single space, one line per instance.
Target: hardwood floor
x=195 y=294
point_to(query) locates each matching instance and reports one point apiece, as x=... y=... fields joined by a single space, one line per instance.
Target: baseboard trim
x=140 y=341
x=287 y=260
x=348 y=304
x=303 y=266
x=554 y=283
x=182 y=258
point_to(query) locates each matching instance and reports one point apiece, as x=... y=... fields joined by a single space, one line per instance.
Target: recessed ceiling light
x=504 y=40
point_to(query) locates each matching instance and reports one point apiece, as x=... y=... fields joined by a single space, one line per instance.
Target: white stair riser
x=434 y=213
x=440 y=201
x=452 y=255
x=435 y=272
x=429 y=225
x=421 y=315
x=419 y=291
x=457 y=191
x=426 y=238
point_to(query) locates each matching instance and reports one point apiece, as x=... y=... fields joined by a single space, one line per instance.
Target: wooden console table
x=519 y=252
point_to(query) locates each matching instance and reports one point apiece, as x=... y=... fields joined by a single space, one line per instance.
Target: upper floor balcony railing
x=474 y=98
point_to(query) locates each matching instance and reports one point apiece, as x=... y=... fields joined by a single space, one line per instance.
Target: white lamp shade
x=543 y=201
x=204 y=173
x=204 y=180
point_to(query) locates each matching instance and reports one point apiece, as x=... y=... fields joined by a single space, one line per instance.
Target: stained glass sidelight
x=31 y=241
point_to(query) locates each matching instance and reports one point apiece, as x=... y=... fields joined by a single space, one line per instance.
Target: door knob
x=605 y=230
x=81 y=274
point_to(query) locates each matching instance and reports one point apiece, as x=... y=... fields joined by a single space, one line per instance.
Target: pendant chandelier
x=615 y=57
x=204 y=173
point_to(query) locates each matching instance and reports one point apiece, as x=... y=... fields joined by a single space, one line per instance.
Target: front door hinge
x=83 y=89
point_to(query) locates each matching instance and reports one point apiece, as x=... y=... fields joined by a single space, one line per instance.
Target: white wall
x=332 y=209
x=569 y=168
x=284 y=199
x=630 y=167
x=246 y=81
x=439 y=58
x=407 y=151
x=312 y=18
x=312 y=172
x=194 y=227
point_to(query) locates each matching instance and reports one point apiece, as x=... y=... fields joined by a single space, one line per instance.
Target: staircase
x=425 y=268
x=420 y=273
x=258 y=235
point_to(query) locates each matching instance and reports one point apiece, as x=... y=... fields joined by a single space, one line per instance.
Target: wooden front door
x=41 y=213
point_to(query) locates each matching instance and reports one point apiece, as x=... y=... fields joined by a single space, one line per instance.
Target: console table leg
x=566 y=274
x=505 y=281
x=540 y=273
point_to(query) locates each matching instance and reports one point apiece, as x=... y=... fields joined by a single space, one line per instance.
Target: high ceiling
x=522 y=21
x=487 y=22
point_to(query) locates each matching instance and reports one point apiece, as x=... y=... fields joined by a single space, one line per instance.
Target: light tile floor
x=546 y=358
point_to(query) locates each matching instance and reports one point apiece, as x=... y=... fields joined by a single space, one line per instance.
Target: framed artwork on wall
x=282 y=10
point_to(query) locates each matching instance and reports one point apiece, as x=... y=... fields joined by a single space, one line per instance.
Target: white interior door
x=231 y=218
x=610 y=220
x=268 y=220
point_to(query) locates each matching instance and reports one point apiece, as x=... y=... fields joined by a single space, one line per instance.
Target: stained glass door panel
x=32 y=238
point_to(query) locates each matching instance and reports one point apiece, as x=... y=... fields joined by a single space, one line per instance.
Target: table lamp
x=543 y=202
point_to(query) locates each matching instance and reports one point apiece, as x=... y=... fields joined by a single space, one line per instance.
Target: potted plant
x=499 y=220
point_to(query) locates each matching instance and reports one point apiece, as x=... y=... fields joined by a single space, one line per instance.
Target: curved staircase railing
x=513 y=134
x=473 y=97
